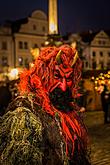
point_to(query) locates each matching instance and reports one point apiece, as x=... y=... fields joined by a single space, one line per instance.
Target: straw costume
x=43 y=125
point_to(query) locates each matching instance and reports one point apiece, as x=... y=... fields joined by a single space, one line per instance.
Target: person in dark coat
x=105 y=99
x=5 y=97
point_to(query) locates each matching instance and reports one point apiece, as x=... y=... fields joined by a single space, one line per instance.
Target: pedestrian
x=5 y=97
x=43 y=125
x=82 y=99
x=105 y=100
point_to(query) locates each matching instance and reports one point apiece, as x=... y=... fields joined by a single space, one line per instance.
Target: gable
x=101 y=39
x=38 y=14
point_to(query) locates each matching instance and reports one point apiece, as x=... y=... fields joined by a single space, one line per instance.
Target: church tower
x=53 y=22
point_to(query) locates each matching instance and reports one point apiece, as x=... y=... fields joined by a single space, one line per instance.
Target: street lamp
x=13 y=74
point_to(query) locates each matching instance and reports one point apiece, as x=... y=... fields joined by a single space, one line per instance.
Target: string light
x=101 y=80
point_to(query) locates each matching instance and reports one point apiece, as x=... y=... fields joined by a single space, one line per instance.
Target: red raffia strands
x=70 y=121
x=38 y=80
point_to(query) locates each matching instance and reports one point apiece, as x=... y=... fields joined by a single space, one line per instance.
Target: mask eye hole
x=56 y=76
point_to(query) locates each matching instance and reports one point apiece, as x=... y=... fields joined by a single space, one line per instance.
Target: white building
x=94 y=49
x=97 y=52
x=18 y=37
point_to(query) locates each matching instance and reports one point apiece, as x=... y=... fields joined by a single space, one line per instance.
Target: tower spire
x=53 y=22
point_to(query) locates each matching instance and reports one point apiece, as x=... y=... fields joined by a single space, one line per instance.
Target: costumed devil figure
x=42 y=126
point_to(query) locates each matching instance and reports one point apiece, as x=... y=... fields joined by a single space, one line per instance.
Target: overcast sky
x=73 y=16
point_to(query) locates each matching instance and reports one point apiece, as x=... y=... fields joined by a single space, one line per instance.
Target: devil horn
x=75 y=59
x=58 y=57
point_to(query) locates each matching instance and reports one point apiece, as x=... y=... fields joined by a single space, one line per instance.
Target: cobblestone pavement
x=99 y=137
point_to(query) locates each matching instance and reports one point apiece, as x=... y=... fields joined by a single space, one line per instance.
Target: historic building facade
x=96 y=53
x=18 y=37
x=94 y=49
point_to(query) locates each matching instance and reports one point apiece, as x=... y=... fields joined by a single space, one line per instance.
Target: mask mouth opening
x=61 y=100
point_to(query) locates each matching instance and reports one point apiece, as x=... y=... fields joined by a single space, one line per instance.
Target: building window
x=93 y=53
x=101 y=54
x=86 y=64
x=94 y=65
x=100 y=42
x=43 y=29
x=34 y=27
x=20 y=60
x=20 y=45
x=35 y=46
x=108 y=65
x=108 y=54
x=104 y=42
x=4 y=45
x=25 y=45
x=101 y=65
x=4 y=61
